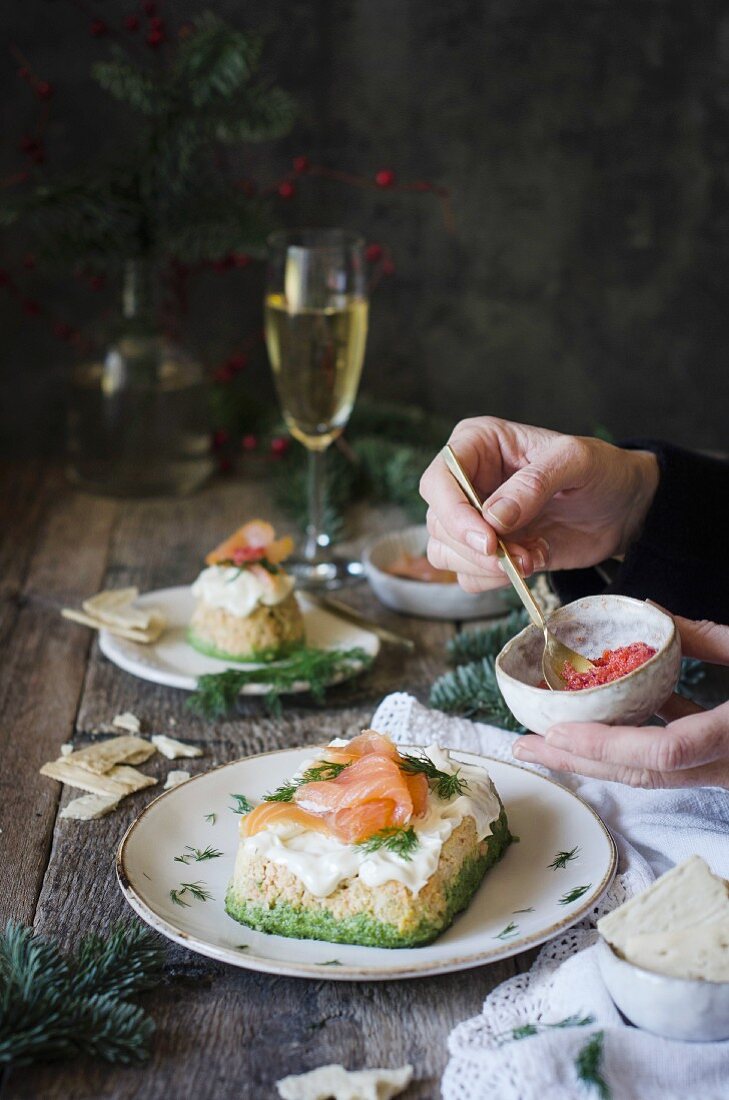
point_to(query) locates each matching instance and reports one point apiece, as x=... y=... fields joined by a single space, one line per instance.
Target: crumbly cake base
x=268 y=897
x=269 y=631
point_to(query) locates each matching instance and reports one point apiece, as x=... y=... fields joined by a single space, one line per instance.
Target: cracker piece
x=144 y=637
x=119 y=781
x=89 y=807
x=127 y=721
x=172 y=749
x=66 y=749
x=101 y=757
x=114 y=606
x=337 y=1083
x=174 y=778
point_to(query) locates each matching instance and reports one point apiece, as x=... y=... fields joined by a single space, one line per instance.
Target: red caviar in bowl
x=613 y=664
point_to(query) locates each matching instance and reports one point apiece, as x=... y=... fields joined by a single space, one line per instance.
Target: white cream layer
x=323 y=862
x=240 y=591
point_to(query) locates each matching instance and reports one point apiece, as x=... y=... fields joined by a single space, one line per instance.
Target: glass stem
x=316 y=537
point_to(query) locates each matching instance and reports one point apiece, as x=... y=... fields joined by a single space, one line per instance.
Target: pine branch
x=130 y=84
x=472 y=690
x=473 y=645
x=55 y=1007
x=216 y=61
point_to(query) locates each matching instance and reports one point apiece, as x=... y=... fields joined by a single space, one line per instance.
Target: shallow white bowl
x=676 y=1008
x=424 y=598
x=591 y=625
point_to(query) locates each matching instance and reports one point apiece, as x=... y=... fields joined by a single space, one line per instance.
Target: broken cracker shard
x=334 y=1082
x=173 y=749
x=113 y=610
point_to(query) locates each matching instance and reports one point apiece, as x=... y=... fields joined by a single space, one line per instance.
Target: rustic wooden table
x=221 y=1032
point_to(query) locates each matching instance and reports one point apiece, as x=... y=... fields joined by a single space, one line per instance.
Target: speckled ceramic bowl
x=424 y=598
x=676 y=1008
x=590 y=626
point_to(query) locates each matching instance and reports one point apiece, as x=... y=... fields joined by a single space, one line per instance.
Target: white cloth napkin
x=653 y=831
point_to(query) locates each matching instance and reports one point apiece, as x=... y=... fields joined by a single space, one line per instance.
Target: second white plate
x=172 y=661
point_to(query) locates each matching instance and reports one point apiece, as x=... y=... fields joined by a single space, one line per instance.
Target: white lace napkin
x=653 y=831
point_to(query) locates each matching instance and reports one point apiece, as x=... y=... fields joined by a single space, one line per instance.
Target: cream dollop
x=323 y=862
x=241 y=591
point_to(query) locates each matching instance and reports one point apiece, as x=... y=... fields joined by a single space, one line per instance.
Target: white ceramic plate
x=172 y=661
x=517 y=906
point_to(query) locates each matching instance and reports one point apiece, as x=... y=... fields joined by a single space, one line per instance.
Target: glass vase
x=138 y=421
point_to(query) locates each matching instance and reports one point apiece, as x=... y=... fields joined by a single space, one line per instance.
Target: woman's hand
x=691 y=751
x=557 y=500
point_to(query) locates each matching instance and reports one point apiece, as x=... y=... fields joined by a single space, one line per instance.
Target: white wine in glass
x=316 y=328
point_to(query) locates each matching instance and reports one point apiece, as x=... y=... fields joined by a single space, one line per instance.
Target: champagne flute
x=316 y=312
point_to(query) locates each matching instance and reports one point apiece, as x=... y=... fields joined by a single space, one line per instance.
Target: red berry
x=156 y=24
x=223 y=263
x=63 y=331
x=421 y=185
x=43 y=89
x=24 y=72
x=38 y=156
x=388 y=267
x=29 y=261
x=286 y=189
x=97 y=282
x=385 y=177
x=98 y=28
x=301 y=165
x=131 y=22
x=237 y=362
x=155 y=39
x=220 y=438
x=241 y=259
x=373 y=253
x=223 y=375
x=149 y=7
x=249 y=442
x=280 y=445
x=31 y=308
x=224 y=464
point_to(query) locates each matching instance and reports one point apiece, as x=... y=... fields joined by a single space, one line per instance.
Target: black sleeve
x=680 y=557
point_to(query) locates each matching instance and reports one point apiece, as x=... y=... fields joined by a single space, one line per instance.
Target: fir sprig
x=472 y=690
x=588 y=1065
x=563 y=858
x=402 y=842
x=318 y=773
x=526 y=1031
x=53 y=1006
x=446 y=785
x=217 y=692
x=473 y=645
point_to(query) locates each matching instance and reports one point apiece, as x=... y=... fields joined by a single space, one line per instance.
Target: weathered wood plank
x=40 y=684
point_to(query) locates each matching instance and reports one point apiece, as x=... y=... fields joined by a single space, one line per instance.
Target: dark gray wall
x=586 y=145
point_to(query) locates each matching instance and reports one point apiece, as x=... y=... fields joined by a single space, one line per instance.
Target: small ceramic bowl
x=424 y=598
x=590 y=626
x=676 y=1008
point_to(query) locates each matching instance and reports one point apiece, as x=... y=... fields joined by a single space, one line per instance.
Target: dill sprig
x=525 y=1031
x=54 y=1006
x=563 y=858
x=588 y=1065
x=509 y=932
x=574 y=894
x=242 y=805
x=318 y=773
x=217 y=693
x=447 y=785
x=198 y=890
x=198 y=854
x=211 y=818
x=402 y=842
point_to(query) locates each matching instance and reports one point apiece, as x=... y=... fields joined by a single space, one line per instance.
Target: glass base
x=328 y=573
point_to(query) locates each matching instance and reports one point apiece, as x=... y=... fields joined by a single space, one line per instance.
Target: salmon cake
x=245 y=605
x=368 y=846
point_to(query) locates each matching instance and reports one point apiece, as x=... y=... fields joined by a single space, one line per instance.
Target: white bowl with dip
x=676 y=1008
x=427 y=599
x=590 y=626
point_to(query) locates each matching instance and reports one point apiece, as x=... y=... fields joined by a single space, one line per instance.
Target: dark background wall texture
x=586 y=145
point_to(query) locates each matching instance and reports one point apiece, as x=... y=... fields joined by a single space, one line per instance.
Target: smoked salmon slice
x=274 y=813
x=256 y=535
x=365 y=743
